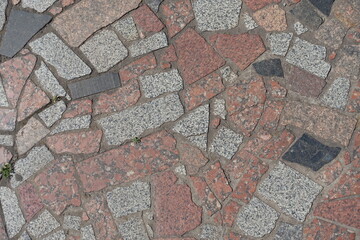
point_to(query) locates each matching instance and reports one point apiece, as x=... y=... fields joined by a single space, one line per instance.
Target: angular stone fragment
x=30 y=134
x=299 y=28
x=323 y=5
x=331 y=33
x=21 y=27
x=6 y=140
x=322 y=122
x=74 y=24
x=217 y=181
x=94 y=85
x=37 y=158
x=211 y=232
x=226 y=142
x=78 y=108
x=289 y=232
x=309 y=57
x=293 y=192
x=146 y=21
x=305 y=12
x=249 y=22
x=257 y=4
x=154 y=154
x=14 y=219
x=269 y=68
x=132 y=122
x=219 y=108
x=271 y=18
x=69 y=124
x=87 y=233
x=104 y=50
x=137 y=68
x=72 y=222
x=53 y=113
x=279 y=42
x=29 y=199
x=127 y=28
x=123 y=201
x=67 y=64
x=42 y=225
x=3 y=5
x=7 y=119
x=337 y=95
x=38 y=5
x=196 y=57
x=214 y=15
x=149 y=44
x=157 y=84
x=133 y=229
x=257 y=218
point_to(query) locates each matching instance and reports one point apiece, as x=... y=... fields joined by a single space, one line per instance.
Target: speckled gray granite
x=38 y=5
x=133 y=229
x=279 y=42
x=127 y=28
x=87 y=233
x=299 y=28
x=3 y=5
x=42 y=225
x=195 y=122
x=337 y=94
x=226 y=142
x=249 y=22
x=149 y=44
x=219 y=108
x=72 y=222
x=199 y=140
x=53 y=113
x=211 y=232
x=69 y=124
x=6 y=140
x=3 y=99
x=289 y=232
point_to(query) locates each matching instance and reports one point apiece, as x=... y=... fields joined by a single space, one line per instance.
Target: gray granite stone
x=49 y=83
x=100 y=83
x=279 y=42
x=219 y=108
x=337 y=95
x=20 y=28
x=226 y=142
x=24 y=236
x=228 y=74
x=131 y=122
x=290 y=190
x=211 y=232
x=42 y=225
x=38 y=5
x=104 y=50
x=7 y=140
x=3 y=99
x=127 y=28
x=309 y=57
x=199 y=140
x=154 y=4
x=87 y=233
x=149 y=44
x=299 y=28
x=14 y=219
x=67 y=64
x=123 y=201
x=59 y=235
x=289 y=232
x=69 y=124
x=257 y=219
x=249 y=22
x=305 y=12
x=214 y=15
x=194 y=123
x=53 y=113
x=157 y=84
x=37 y=158
x=30 y=134
x=133 y=229
x=72 y=222
x=3 y=5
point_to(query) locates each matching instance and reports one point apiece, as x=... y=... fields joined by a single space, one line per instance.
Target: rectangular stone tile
x=76 y=24
x=67 y=64
x=94 y=85
x=132 y=122
x=149 y=44
x=322 y=122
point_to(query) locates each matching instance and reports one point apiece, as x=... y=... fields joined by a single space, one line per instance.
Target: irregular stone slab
x=323 y=5
x=67 y=64
x=149 y=44
x=7 y=119
x=59 y=235
x=157 y=84
x=133 y=228
x=30 y=134
x=257 y=4
x=123 y=201
x=322 y=122
x=127 y=28
x=305 y=12
x=3 y=5
x=214 y=15
x=6 y=140
x=3 y=99
x=37 y=158
x=154 y=154
x=257 y=218
x=29 y=200
x=249 y=22
x=331 y=33
x=104 y=50
x=132 y=122
x=271 y=18
x=74 y=26
x=69 y=124
x=299 y=28
x=194 y=123
x=14 y=219
x=146 y=21
x=290 y=232
x=337 y=95
x=87 y=232
x=42 y=225
x=269 y=68
x=72 y=222
x=217 y=181
x=94 y=85
x=219 y=108
x=311 y=153
x=49 y=83
x=226 y=142
x=309 y=57
x=21 y=27
x=293 y=192
x=38 y=5
x=53 y=113
x=196 y=57
x=279 y=42
x=192 y=157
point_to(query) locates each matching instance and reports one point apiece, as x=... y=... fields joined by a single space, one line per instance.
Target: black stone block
x=323 y=5
x=269 y=68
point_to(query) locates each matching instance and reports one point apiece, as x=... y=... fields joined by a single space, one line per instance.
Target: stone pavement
x=179 y=119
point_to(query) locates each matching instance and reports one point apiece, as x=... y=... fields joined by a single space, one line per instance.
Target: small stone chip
x=38 y=5
x=123 y=201
x=133 y=229
x=195 y=123
x=157 y=84
x=249 y=22
x=337 y=95
x=42 y=225
x=69 y=124
x=149 y=44
x=299 y=28
x=279 y=42
x=219 y=108
x=226 y=142
x=228 y=74
x=127 y=28
x=53 y=113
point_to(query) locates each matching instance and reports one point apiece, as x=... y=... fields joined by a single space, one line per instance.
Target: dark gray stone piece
x=154 y=4
x=309 y=152
x=94 y=85
x=21 y=27
x=269 y=68
x=323 y=5
x=305 y=12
